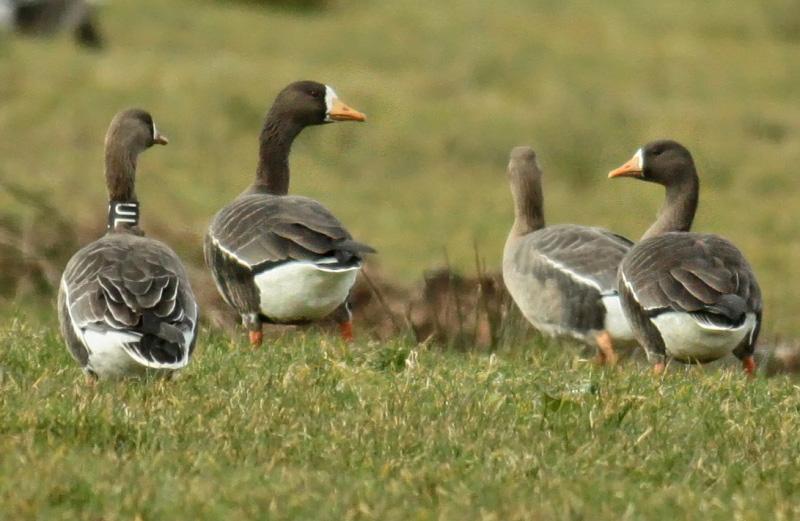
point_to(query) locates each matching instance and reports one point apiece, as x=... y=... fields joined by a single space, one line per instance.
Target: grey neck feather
x=121 y=172
x=680 y=205
x=277 y=136
x=528 y=204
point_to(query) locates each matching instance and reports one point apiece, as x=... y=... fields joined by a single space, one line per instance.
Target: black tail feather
x=158 y=350
x=729 y=311
x=352 y=246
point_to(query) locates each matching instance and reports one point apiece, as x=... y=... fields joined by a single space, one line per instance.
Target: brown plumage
x=562 y=277
x=689 y=296
x=125 y=303
x=278 y=258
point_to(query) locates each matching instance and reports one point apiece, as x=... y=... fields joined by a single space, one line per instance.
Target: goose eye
x=316 y=94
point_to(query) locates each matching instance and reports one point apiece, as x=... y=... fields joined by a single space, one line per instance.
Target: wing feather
x=689 y=272
x=258 y=229
x=589 y=255
x=116 y=281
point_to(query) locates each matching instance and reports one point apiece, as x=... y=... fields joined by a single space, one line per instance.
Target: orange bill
x=160 y=139
x=341 y=112
x=633 y=168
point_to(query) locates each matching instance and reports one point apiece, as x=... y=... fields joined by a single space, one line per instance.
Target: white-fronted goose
x=563 y=277
x=125 y=303
x=44 y=17
x=688 y=296
x=278 y=258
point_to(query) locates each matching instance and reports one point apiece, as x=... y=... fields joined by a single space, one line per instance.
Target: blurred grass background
x=449 y=88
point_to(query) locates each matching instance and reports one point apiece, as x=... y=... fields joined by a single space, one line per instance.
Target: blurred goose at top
x=279 y=258
x=689 y=296
x=45 y=17
x=562 y=277
x=125 y=303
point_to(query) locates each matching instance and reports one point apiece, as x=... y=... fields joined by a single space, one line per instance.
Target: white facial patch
x=155 y=132
x=639 y=159
x=330 y=97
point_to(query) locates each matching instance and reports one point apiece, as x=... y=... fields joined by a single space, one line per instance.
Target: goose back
x=127 y=294
x=700 y=275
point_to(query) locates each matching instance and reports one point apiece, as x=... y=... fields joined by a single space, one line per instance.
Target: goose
x=691 y=297
x=278 y=258
x=44 y=17
x=124 y=302
x=562 y=277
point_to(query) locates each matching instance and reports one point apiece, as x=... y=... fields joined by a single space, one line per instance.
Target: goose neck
x=528 y=205
x=277 y=136
x=678 y=211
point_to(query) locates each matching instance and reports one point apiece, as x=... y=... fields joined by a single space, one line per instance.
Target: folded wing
x=700 y=274
x=258 y=231
x=136 y=287
x=590 y=256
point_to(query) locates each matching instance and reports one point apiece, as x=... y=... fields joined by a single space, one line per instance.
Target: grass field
x=308 y=428
x=311 y=429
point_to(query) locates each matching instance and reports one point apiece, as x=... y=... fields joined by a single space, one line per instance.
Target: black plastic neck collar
x=126 y=213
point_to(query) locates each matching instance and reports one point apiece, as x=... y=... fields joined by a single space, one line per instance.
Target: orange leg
x=253 y=324
x=346 y=330
x=659 y=368
x=256 y=337
x=605 y=349
x=749 y=365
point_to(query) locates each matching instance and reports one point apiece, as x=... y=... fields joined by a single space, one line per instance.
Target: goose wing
x=137 y=287
x=260 y=230
x=589 y=256
x=696 y=273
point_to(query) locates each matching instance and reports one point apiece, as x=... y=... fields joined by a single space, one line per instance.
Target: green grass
x=308 y=428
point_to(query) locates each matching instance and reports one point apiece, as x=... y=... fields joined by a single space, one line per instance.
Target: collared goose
x=562 y=277
x=125 y=303
x=688 y=296
x=279 y=258
x=43 y=17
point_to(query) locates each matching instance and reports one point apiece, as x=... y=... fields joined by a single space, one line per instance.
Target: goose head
x=669 y=164
x=133 y=130
x=307 y=103
x=522 y=162
x=665 y=162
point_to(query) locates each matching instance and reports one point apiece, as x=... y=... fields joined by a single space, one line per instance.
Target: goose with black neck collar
x=125 y=304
